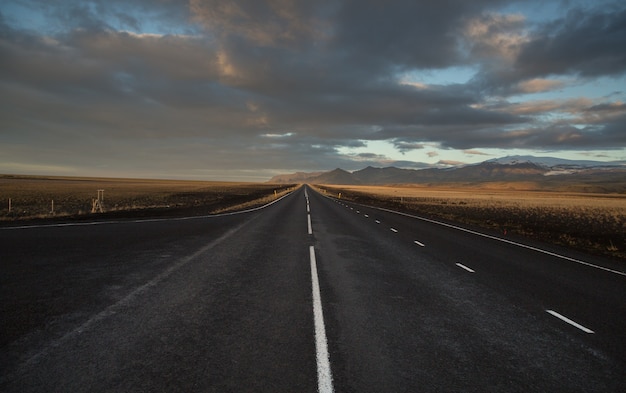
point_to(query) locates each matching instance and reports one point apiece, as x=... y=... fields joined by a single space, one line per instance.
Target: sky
x=243 y=90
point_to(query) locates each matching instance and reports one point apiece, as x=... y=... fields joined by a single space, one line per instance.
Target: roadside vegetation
x=34 y=197
x=592 y=223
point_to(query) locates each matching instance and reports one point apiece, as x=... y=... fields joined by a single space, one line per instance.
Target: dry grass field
x=32 y=196
x=594 y=223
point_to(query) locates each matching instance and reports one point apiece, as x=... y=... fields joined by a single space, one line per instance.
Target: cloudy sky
x=245 y=89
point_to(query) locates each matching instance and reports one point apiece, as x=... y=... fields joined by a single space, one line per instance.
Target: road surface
x=306 y=294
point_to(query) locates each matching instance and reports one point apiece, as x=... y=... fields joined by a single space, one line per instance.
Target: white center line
x=308 y=222
x=324 y=375
x=565 y=319
x=394 y=230
x=465 y=268
x=419 y=244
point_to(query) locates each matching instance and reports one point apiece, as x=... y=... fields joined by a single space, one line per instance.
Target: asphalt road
x=308 y=294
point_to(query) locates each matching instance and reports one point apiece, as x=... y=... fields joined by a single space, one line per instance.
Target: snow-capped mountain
x=544 y=172
x=551 y=162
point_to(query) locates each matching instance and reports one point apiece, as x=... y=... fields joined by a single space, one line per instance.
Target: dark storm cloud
x=265 y=23
x=584 y=42
x=404 y=34
x=562 y=135
x=289 y=84
x=403 y=146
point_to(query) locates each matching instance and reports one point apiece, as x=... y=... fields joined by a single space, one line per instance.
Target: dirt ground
x=53 y=198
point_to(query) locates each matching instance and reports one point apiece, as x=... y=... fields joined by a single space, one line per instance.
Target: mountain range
x=535 y=172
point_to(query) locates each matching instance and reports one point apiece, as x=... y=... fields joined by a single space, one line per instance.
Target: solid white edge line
x=308 y=223
x=500 y=240
x=324 y=375
x=567 y=320
x=80 y=224
x=419 y=244
x=465 y=267
x=504 y=241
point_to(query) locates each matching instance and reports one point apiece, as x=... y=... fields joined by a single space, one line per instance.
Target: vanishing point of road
x=309 y=293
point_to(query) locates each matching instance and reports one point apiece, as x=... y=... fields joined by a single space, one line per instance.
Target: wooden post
x=96 y=206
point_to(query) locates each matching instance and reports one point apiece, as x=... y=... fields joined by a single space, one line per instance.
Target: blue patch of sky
x=27 y=16
x=539 y=11
x=434 y=155
x=604 y=89
x=444 y=76
x=18 y=14
x=542 y=11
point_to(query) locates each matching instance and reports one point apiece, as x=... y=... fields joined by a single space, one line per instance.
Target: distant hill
x=298 y=177
x=336 y=176
x=541 y=172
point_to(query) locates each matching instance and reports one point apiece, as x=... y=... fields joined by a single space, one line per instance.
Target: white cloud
x=285 y=135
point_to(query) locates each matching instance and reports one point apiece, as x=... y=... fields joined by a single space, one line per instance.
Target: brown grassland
x=32 y=196
x=592 y=223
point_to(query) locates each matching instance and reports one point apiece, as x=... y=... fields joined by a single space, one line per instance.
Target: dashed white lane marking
x=419 y=244
x=621 y=273
x=358 y=212
x=308 y=223
x=465 y=267
x=504 y=241
x=567 y=320
x=324 y=375
x=394 y=230
x=366 y=216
